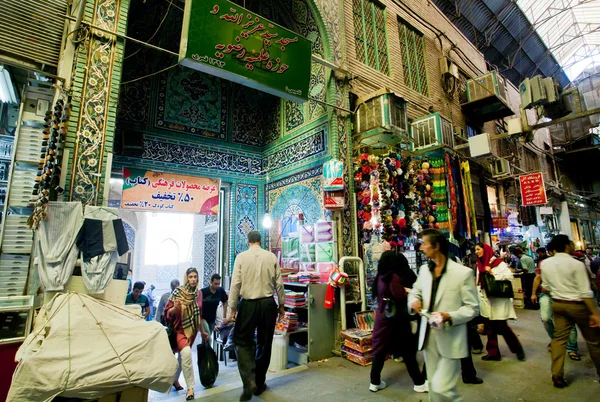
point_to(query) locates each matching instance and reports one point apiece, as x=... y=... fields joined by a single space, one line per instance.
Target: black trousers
x=254 y=357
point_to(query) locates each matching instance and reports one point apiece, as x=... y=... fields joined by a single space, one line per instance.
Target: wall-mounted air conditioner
x=500 y=167
x=430 y=131
x=381 y=120
x=448 y=68
x=532 y=92
x=485 y=86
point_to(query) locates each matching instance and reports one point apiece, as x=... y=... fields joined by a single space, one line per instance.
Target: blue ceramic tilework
x=210 y=257
x=200 y=156
x=192 y=102
x=246 y=215
x=292 y=152
x=130 y=234
x=304 y=196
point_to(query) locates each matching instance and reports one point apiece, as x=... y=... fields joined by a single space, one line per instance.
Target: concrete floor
x=509 y=380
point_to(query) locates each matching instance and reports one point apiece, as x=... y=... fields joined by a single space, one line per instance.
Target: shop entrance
x=164 y=244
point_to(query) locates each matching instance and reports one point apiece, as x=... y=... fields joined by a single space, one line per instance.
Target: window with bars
x=370 y=36
x=412 y=49
x=506 y=147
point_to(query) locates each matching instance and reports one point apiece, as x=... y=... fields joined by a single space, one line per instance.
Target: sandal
x=574 y=356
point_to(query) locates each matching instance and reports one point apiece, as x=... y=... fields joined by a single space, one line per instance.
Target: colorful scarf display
x=469 y=199
x=440 y=193
x=453 y=209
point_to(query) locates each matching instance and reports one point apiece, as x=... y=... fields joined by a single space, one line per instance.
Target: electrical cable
x=155 y=32
x=149 y=75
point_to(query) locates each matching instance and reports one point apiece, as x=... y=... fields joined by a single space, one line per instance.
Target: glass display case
x=16 y=313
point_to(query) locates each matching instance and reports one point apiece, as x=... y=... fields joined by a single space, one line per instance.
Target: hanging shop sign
x=500 y=223
x=157 y=191
x=223 y=39
x=533 y=191
x=333 y=172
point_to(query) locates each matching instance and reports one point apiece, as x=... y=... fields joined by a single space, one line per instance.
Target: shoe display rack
x=16 y=238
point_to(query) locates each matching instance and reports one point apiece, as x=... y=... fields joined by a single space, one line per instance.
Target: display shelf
x=319 y=328
x=297 y=331
x=295 y=307
x=296 y=284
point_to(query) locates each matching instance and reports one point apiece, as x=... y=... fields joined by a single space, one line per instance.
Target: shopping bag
x=501 y=289
x=208 y=365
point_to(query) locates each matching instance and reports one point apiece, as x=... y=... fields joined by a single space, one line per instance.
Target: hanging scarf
x=190 y=311
x=452 y=216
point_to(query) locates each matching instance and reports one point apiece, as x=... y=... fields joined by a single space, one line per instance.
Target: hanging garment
x=56 y=249
x=440 y=194
x=452 y=210
x=101 y=240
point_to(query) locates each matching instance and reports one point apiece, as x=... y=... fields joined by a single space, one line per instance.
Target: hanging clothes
x=56 y=250
x=440 y=194
x=461 y=218
x=451 y=186
x=101 y=240
x=469 y=200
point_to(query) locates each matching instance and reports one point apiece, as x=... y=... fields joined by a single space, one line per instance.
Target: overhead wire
x=155 y=32
x=150 y=75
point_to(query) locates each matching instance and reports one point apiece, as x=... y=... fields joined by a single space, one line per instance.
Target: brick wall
x=371 y=80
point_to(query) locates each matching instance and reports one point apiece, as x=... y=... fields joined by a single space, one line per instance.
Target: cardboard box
x=518 y=303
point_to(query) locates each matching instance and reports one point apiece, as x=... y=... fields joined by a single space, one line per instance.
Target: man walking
x=256 y=278
x=444 y=291
x=526 y=264
x=568 y=283
x=160 y=310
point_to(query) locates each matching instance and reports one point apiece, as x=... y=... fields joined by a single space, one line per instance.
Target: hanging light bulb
x=267 y=222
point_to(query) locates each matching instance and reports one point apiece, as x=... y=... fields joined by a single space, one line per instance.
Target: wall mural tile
x=246 y=215
x=313 y=144
x=255 y=116
x=210 y=256
x=201 y=157
x=192 y=102
x=303 y=196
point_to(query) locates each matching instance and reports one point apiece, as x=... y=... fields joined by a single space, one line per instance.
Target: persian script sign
x=156 y=191
x=223 y=39
x=533 y=191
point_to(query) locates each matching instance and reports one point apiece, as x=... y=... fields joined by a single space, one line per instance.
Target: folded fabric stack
x=287 y=323
x=292 y=278
x=308 y=253
x=307 y=233
x=323 y=231
x=309 y=277
x=324 y=252
x=295 y=299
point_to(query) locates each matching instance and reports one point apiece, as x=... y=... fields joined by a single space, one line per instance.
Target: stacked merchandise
x=288 y=323
x=356 y=346
x=295 y=299
x=365 y=320
x=309 y=277
x=291 y=278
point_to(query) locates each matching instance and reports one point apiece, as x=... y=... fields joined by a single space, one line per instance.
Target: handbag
x=171 y=332
x=500 y=289
x=389 y=308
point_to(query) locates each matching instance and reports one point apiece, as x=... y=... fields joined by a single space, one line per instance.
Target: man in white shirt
x=256 y=278
x=568 y=283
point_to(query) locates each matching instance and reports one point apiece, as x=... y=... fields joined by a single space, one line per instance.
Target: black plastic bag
x=208 y=364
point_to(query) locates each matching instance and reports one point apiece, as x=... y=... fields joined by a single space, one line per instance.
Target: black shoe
x=260 y=389
x=190 y=397
x=246 y=396
x=559 y=382
x=229 y=346
x=521 y=356
x=474 y=380
x=488 y=358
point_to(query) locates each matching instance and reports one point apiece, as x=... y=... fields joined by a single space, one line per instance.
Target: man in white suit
x=444 y=291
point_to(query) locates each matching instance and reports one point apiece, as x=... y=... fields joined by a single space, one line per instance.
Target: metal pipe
x=79 y=18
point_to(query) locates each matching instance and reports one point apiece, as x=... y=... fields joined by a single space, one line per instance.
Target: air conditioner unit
x=485 y=86
x=381 y=120
x=551 y=88
x=447 y=67
x=532 y=92
x=500 y=167
x=430 y=131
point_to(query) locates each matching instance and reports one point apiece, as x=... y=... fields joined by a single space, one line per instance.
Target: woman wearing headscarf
x=183 y=312
x=496 y=310
x=392 y=332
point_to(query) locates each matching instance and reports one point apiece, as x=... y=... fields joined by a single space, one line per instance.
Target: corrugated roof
x=500 y=30
x=569 y=28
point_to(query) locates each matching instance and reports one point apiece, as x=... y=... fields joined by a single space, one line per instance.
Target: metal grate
x=32 y=30
x=412 y=50
x=530 y=161
x=506 y=148
x=370 y=38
